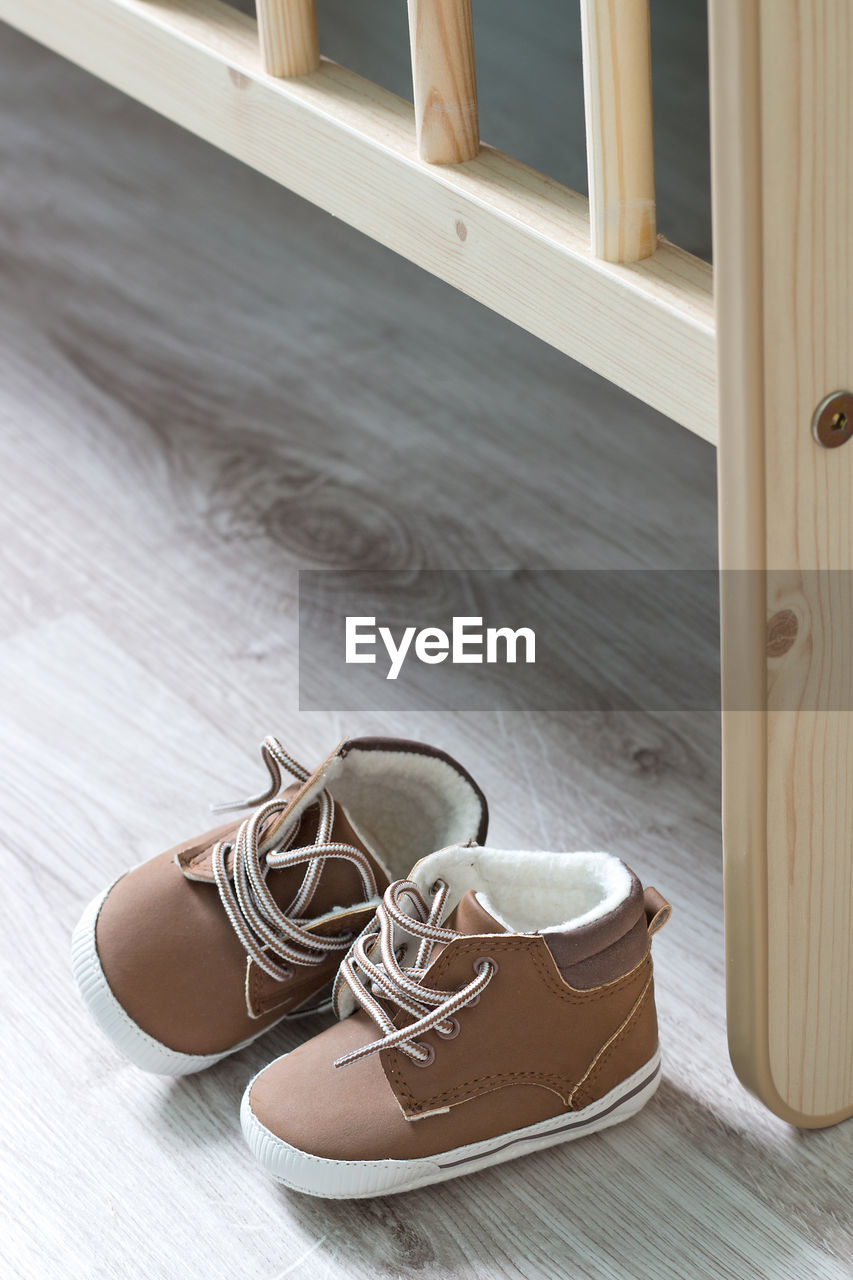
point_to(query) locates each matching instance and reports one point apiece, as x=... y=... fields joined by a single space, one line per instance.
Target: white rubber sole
x=134 y=1044
x=360 y=1179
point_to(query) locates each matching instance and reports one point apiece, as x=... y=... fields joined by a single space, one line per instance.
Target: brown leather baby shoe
x=195 y=953
x=500 y=1002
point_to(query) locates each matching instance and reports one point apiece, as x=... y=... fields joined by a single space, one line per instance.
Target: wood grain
x=784 y=248
x=620 y=140
x=287 y=29
x=206 y=386
x=441 y=34
x=495 y=229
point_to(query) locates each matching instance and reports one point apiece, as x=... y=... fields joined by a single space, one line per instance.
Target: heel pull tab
x=658 y=910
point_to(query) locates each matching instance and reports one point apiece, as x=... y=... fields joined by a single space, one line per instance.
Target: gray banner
x=566 y=640
x=574 y=640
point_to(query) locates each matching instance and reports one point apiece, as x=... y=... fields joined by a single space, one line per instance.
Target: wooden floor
x=206 y=385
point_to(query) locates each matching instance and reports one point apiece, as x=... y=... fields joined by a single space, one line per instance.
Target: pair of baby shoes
x=489 y=1002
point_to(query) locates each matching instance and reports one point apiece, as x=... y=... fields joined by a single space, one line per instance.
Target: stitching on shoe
x=558 y=1084
x=563 y=1085
x=547 y=971
x=631 y=1023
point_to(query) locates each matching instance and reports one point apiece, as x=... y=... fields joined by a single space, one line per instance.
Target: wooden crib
x=756 y=357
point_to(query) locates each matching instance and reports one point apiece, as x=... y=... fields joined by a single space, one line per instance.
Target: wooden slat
x=497 y=230
x=444 y=79
x=288 y=35
x=783 y=190
x=619 y=139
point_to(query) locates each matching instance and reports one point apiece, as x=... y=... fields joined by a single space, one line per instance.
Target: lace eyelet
x=438 y=884
x=455 y=1028
x=490 y=960
x=428 y=1060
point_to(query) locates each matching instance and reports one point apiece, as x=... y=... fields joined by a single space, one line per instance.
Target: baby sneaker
x=195 y=953
x=497 y=1004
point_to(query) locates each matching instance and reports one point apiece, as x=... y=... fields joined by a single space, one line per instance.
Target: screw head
x=832 y=424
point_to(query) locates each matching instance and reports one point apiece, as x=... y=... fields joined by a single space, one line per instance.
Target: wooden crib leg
x=783 y=249
x=288 y=35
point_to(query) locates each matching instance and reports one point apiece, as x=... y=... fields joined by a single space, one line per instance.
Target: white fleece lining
x=402 y=804
x=531 y=892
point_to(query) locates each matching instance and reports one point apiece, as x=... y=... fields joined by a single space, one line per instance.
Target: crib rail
x=420 y=182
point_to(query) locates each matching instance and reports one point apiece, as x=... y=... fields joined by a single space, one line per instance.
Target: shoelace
x=371 y=982
x=260 y=924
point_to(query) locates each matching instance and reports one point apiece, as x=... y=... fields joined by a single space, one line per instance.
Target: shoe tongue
x=340 y=882
x=276 y=824
x=471 y=917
